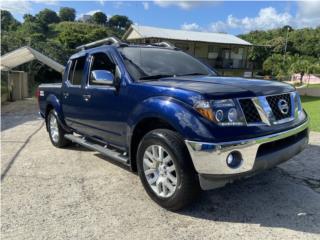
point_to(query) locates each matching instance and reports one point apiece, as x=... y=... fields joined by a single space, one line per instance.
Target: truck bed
x=46 y=90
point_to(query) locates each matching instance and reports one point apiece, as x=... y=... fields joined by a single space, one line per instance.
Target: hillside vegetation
x=51 y=36
x=57 y=36
x=281 y=52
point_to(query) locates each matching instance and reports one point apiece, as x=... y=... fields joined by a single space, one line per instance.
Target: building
x=84 y=18
x=225 y=52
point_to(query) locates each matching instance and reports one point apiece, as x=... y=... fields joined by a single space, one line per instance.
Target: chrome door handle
x=86 y=97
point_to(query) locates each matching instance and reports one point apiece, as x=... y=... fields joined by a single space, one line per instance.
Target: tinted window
x=101 y=61
x=144 y=62
x=76 y=71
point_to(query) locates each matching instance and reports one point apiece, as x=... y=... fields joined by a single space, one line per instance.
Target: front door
x=104 y=104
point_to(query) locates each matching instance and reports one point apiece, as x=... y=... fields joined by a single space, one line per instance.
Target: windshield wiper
x=156 y=76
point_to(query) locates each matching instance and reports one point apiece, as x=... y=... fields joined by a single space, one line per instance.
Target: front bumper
x=209 y=159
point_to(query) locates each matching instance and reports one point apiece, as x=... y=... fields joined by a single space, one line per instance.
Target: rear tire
x=166 y=170
x=56 y=132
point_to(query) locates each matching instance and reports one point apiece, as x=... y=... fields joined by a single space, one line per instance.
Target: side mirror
x=102 y=77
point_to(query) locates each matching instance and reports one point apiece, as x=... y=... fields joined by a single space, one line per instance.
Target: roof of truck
x=102 y=47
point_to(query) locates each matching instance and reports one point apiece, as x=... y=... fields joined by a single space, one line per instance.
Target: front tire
x=166 y=170
x=56 y=132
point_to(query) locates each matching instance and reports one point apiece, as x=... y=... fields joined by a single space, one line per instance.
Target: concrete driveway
x=73 y=193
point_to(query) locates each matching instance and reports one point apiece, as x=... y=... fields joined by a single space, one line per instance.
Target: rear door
x=72 y=92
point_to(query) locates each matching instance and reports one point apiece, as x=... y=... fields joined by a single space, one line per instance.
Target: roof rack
x=163 y=44
x=105 y=41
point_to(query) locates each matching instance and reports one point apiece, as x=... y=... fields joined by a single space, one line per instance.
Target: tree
x=300 y=66
x=67 y=14
x=99 y=18
x=47 y=16
x=120 y=22
x=313 y=68
x=29 y=18
x=8 y=22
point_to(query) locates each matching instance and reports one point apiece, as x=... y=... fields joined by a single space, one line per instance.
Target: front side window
x=101 y=61
x=147 y=63
x=76 y=70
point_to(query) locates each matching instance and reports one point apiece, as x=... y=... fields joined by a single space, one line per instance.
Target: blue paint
x=111 y=114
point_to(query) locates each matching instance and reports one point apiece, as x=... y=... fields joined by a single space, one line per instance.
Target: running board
x=113 y=154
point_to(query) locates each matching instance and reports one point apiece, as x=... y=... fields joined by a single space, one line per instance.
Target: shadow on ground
x=270 y=199
x=17 y=113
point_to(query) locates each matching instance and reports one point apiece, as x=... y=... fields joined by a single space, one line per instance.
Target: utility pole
x=285 y=46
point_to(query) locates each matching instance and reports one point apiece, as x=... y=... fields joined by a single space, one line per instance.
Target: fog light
x=234 y=159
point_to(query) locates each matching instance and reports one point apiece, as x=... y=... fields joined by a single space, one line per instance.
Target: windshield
x=145 y=63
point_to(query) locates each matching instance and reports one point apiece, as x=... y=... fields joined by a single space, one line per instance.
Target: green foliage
x=120 y=22
x=8 y=22
x=47 y=16
x=303 y=48
x=314 y=68
x=73 y=34
x=29 y=18
x=99 y=18
x=300 y=42
x=67 y=14
x=45 y=33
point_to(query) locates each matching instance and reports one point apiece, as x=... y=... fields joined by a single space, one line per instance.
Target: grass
x=312 y=107
x=313 y=86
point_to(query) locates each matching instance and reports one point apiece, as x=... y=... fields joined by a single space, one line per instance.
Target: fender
x=55 y=103
x=183 y=118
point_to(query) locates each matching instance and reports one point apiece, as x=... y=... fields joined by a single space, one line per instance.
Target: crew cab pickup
x=171 y=118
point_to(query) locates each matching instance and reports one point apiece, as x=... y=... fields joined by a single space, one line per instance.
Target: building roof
x=141 y=32
x=26 y=54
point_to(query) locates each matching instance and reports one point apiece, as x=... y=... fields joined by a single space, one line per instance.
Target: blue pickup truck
x=171 y=118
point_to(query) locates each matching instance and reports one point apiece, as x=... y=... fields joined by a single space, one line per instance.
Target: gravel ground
x=73 y=193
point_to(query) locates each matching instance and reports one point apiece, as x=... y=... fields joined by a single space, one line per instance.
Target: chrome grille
x=249 y=110
x=273 y=102
x=267 y=110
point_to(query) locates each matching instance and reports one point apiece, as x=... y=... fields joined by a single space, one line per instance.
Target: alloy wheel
x=160 y=171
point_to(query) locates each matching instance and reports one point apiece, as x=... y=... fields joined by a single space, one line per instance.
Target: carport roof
x=26 y=54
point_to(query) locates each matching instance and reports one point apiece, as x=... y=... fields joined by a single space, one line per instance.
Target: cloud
x=269 y=18
x=182 y=4
x=146 y=5
x=191 y=27
x=23 y=6
x=308 y=14
x=101 y=2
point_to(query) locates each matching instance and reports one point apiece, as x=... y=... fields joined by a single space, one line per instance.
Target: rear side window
x=76 y=71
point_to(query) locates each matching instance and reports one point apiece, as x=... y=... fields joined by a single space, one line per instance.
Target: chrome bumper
x=210 y=158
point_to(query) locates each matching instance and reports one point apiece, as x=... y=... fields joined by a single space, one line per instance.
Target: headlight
x=298 y=109
x=225 y=112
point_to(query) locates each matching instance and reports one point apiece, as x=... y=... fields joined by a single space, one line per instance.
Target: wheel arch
x=52 y=102
x=141 y=129
x=161 y=112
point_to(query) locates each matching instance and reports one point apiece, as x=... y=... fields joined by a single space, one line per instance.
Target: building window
x=213 y=52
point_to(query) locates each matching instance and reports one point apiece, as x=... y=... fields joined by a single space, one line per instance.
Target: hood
x=224 y=86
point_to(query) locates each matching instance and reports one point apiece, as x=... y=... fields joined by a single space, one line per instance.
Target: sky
x=233 y=17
